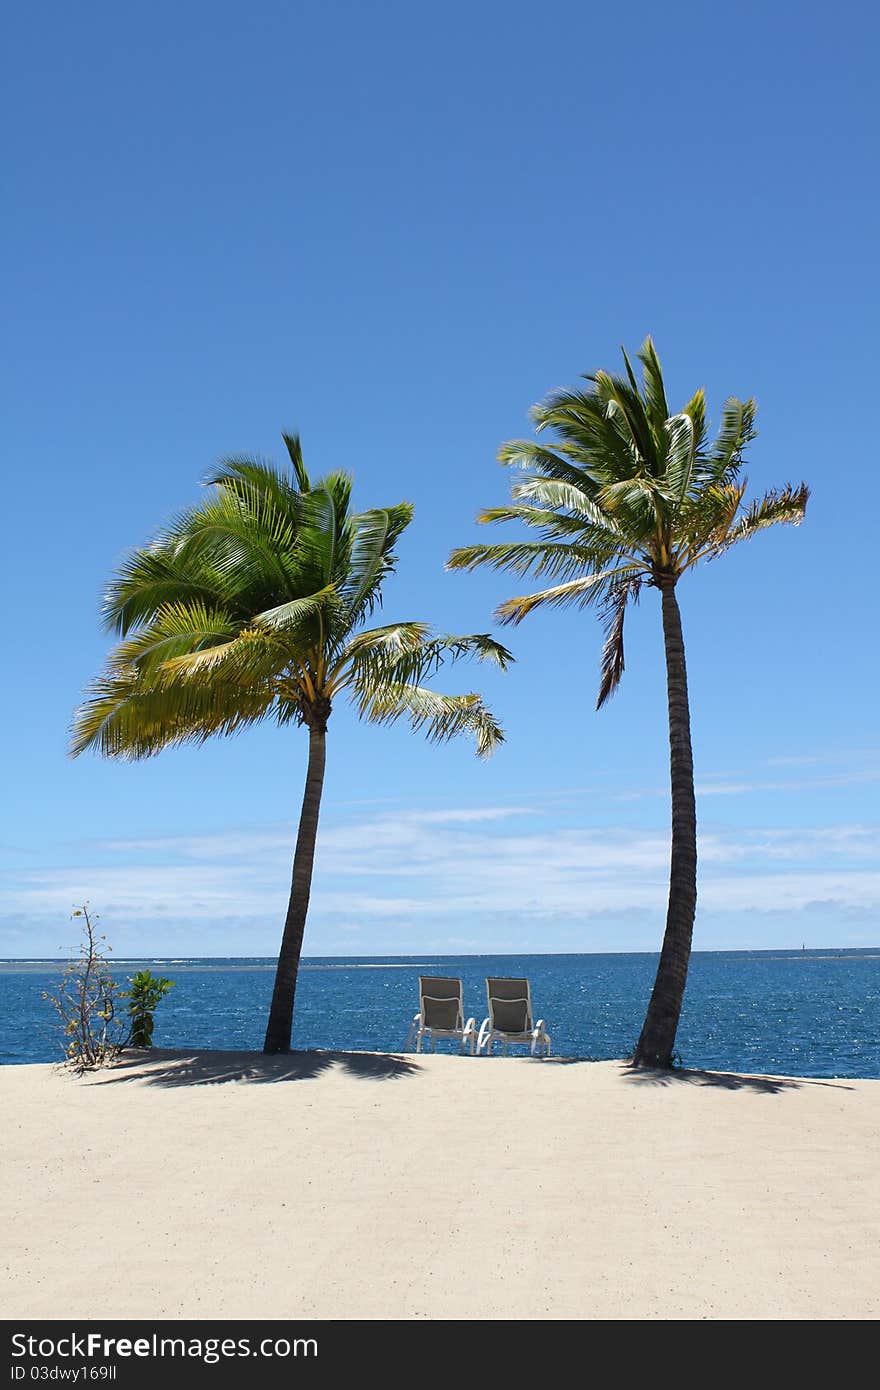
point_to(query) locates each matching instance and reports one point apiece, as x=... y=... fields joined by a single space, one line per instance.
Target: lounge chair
x=510 y=1019
x=441 y=1015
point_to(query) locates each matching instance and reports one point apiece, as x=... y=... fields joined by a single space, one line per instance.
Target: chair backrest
x=510 y=1006
x=440 y=1002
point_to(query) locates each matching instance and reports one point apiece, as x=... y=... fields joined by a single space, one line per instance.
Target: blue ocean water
x=813 y=1013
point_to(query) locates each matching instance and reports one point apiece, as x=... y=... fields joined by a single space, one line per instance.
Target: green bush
x=147 y=991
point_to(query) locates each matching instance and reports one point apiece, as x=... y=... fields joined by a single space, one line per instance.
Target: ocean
x=799 y=1013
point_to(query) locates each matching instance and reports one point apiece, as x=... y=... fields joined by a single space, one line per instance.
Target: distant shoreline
x=380 y=961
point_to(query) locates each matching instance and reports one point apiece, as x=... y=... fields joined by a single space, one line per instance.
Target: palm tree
x=252 y=606
x=630 y=496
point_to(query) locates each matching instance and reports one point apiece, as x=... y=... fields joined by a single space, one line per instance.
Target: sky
x=394 y=228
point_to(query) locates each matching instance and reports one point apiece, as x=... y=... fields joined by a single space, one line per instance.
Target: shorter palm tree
x=253 y=606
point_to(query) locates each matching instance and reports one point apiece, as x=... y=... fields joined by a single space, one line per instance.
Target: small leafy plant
x=146 y=993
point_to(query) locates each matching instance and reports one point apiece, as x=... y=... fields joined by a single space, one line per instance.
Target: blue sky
x=394 y=229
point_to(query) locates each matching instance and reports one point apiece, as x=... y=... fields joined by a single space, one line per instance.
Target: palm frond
x=256 y=484
x=625 y=409
x=654 y=390
x=408 y=653
x=613 y=614
x=551 y=492
x=244 y=542
x=785 y=507
x=253 y=657
x=176 y=629
x=529 y=455
x=681 y=454
x=293 y=446
x=441 y=717
x=579 y=592
x=150 y=579
x=552 y=524
x=372 y=557
x=122 y=717
x=696 y=410
x=290 y=616
x=533 y=557
x=737 y=429
x=705 y=519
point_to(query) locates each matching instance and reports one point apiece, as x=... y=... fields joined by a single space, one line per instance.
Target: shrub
x=147 y=990
x=87 y=1002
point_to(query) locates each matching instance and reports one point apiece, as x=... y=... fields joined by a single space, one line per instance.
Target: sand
x=353 y=1185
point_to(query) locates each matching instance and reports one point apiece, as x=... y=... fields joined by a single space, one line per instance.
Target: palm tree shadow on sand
x=194 y=1068
x=724 y=1080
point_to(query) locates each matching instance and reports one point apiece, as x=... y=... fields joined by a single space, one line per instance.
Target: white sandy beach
x=338 y=1185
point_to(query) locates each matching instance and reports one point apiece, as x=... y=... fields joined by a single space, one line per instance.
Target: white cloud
x=455 y=867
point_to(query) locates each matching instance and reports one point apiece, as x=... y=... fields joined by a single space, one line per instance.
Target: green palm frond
x=122 y=717
x=150 y=579
x=247 y=542
x=681 y=455
x=372 y=557
x=253 y=657
x=295 y=613
x=551 y=524
x=613 y=613
x=577 y=592
x=530 y=456
x=593 y=435
x=579 y=502
x=441 y=717
x=705 y=519
x=784 y=507
x=737 y=429
x=388 y=642
x=654 y=390
x=293 y=445
x=257 y=485
x=407 y=653
x=531 y=557
x=625 y=410
x=177 y=629
x=696 y=411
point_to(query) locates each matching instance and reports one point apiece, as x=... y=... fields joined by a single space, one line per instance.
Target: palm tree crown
x=253 y=606
x=627 y=495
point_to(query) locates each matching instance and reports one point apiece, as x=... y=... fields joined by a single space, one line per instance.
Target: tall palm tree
x=253 y=606
x=628 y=496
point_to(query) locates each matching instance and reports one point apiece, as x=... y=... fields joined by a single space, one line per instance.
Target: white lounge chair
x=510 y=1019
x=441 y=1015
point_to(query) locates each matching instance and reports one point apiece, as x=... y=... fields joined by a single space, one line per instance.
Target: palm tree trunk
x=657 y=1041
x=280 y=1028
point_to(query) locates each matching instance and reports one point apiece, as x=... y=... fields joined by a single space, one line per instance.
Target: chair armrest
x=540 y=1038
x=485 y=1030
x=414 y=1028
